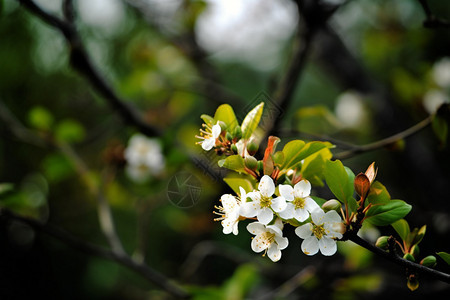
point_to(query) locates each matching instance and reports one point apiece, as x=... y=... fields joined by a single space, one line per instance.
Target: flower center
x=318 y=231
x=299 y=202
x=265 y=201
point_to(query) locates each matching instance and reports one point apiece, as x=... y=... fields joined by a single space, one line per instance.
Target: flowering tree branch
x=394 y=257
x=148 y=273
x=384 y=142
x=431 y=20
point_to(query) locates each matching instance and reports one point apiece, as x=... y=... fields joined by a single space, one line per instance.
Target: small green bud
x=252 y=148
x=429 y=261
x=332 y=204
x=223 y=126
x=238 y=132
x=234 y=148
x=251 y=162
x=415 y=251
x=382 y=242
x=260 y=166
x=228 y=136
x=409 y=257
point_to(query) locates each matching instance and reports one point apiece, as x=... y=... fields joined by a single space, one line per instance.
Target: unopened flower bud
x=332 y=204
x=382 y=242
x=251 y=162
x=229 y=136
x=409 y=257
x=234 y=148
x=238 y=132
x=415 y=250
x=429 y=261
x=260 y=166
x=252 y=148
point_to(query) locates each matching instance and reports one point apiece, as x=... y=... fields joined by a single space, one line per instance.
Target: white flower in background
x=144 y=157
x=320 y=233
x=209 y=136
x=268 y=239
x=441 y=72
x=433 y=99
x=350 y=109
x=229 y=214
x=262 y=202
x=300 y=204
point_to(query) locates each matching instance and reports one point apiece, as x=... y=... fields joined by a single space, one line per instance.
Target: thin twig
x=412 y=266
x=385 y=142
x=150 y=274
x=431 y=20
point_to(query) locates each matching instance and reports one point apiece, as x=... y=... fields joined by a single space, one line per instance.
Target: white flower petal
x=317 y=216
x=229 y=202
x=282 y=242
x=327 y=246
x=275 y=229
x=302 y=189
x=266 y=186
x=286 y=191
x=310 y=204
x=216 y=130
x=259 y=243
x=288 y=212
x=265 y=215
x=235 y=229
x=301 y=214
x=208 y=144
x=278 y=204
x=310 y=245
x=256 y=228
x=304 y=231
x=242 y=194
x=278 y=223
x=249 y=209
x=274 y=253
x=332 y=217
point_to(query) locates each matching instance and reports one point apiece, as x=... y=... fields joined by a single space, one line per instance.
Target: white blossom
x=300 y=204
x=209 y=136
x=441 y=72
x=144 y=157
x=262 y=202
x=268 y=238
x=320 y=233
x=229 y=214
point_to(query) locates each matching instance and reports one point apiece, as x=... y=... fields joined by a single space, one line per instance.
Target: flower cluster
x=144 y=158
x=319 y=231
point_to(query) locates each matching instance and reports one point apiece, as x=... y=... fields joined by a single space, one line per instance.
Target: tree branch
x=395 y=258
x=80 y=60
x=431 y=20
x=148 y=273
x=384 y=142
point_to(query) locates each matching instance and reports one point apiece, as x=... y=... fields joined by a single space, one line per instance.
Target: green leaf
x=40 y=118
x=226 y=114
x=402 y=228
x=297 y=150
x=235 y=181
x=378 y=194
x=340 y=180
x=6 y=187
x=242 y=281
x=251 y=121
x=70 y=131
x=233 y=162
x=445 y=256
x=381 y=215
x=208 y=120
x=420 y=234
x=314 y=165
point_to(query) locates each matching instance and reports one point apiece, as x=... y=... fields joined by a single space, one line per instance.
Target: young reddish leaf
x=362 y=185
x=268 y=161
x=371 y=172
